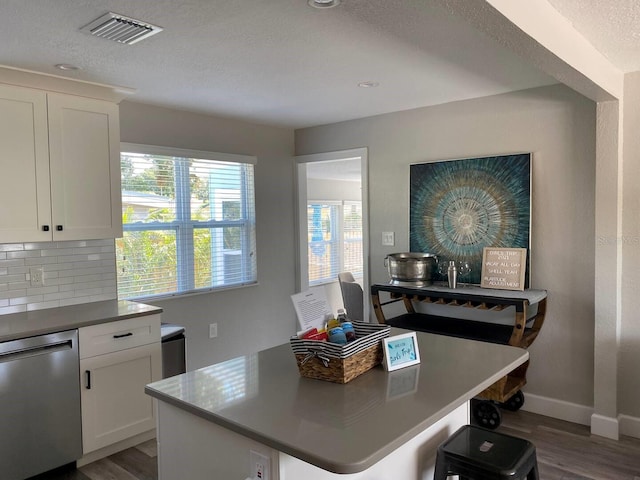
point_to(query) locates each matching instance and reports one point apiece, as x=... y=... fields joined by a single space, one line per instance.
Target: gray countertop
x=340 y=428
x=41 y=322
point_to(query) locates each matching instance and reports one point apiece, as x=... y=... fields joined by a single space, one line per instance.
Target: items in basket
x=314 y=334
x=341 y=363
x=336 y=335
x=337 y=330
x=349 y=332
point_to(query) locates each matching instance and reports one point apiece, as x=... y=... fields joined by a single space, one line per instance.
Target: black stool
x=480 y=454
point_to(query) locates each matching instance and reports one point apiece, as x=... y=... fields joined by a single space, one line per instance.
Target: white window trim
x=187 y=153
x=302 y=274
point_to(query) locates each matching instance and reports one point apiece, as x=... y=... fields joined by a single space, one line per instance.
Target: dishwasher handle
x=35 y=350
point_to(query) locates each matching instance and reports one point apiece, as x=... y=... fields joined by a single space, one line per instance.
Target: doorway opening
x=332 y=221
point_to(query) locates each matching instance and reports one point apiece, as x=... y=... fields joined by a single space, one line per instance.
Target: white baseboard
x=607 y=427
x=583 y=415
x=551 y=407
x=629 y=426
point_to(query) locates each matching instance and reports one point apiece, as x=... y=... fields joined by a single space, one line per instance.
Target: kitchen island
x=382 y=425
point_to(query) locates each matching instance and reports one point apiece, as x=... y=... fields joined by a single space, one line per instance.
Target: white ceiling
x=281 y=62
x=611 y=26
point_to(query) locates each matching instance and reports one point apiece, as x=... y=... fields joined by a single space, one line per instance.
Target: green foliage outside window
x=157 y=242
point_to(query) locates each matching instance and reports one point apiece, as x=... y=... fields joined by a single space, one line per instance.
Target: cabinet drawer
x=118 y=335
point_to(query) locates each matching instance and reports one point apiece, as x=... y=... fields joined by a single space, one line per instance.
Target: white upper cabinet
x=84 y=152
x=24 y=166
x=60 y=167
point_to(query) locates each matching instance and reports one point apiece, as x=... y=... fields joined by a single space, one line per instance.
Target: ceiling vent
x=120 y=28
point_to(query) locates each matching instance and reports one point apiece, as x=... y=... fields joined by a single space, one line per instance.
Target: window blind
x=334 y=240
x=189 y=223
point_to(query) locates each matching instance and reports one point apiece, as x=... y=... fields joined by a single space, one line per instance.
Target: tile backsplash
x=73 y=272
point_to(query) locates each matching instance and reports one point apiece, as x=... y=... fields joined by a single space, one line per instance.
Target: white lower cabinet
x=117 y=360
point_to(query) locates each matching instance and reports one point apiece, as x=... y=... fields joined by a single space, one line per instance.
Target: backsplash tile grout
x=74 y=272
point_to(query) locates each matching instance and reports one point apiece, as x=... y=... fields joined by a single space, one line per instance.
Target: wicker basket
x=341 y=363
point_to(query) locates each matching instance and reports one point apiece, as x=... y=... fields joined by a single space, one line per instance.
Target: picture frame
x=400 y=351
x=459 y=206
x=504 y=268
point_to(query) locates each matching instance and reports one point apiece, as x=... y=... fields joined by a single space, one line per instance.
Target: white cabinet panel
x=60 y=164
x=24 y=162
x=84 y=148
x=113 y=336
x=114 y=405
x=117 y=360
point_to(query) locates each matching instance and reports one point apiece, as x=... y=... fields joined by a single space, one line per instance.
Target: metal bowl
x=412 y=267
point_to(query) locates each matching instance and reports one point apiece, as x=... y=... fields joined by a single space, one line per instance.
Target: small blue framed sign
x=400 y=351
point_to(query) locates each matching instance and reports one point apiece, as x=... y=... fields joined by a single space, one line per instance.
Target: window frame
x=338 y=240
x=184 y=227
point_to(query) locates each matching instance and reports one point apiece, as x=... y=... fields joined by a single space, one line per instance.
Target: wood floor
x=137 y=463
x=566 y=451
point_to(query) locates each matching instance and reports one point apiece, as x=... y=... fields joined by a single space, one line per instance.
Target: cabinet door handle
x=59 y=228
x=87 y=384
x=123 y=335
x=45 y=228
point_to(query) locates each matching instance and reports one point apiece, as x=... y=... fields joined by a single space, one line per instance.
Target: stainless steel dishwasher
x=40 y=419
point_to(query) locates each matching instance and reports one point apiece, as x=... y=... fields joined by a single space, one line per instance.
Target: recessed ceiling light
x=324 y=3
x=67 y=67
x=368 y=84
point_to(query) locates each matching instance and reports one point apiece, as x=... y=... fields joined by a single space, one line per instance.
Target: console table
x=521 y=333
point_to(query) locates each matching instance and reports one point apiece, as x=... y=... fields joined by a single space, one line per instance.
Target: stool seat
x=482 y=454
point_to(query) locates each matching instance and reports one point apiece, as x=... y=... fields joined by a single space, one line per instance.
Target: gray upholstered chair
x=352 y=296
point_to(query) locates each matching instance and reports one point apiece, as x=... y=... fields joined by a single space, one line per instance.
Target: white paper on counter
x=311 y=308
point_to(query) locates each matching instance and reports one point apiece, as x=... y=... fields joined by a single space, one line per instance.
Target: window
x=188 y=219
x=335 y=240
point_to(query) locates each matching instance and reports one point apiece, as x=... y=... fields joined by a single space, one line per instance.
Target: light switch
x=388 y=239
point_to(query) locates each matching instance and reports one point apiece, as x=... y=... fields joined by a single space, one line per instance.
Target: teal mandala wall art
x=458 y=207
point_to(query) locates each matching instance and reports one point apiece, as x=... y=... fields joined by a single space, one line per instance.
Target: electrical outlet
x=213 y=330
x=37 y=276
x=260 y=466
x=388 y=239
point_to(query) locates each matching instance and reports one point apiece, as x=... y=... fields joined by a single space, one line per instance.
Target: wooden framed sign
x=503 y=268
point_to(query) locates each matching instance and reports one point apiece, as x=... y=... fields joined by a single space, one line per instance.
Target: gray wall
x=558 y=126
x=251 y=318
x=629 y=378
